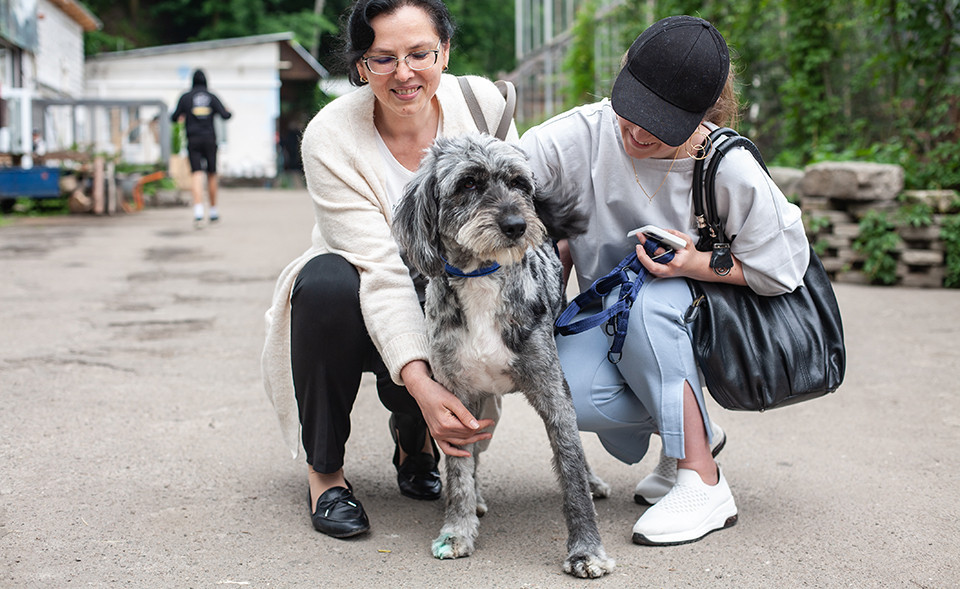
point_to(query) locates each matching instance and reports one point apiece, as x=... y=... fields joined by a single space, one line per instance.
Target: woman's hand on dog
x=450 y=424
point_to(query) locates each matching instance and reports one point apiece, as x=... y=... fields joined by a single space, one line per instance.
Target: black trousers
x=330 y=349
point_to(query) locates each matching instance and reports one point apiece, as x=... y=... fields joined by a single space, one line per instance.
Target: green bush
x=950 y=234
x=878 y=241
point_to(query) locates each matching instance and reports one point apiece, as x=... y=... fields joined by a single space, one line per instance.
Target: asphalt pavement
x=137 y=448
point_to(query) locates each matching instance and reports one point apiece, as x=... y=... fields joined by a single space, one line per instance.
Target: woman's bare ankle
x=322 y=482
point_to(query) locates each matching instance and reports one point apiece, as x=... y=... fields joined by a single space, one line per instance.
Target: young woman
x=633 y=157
x=349 y=304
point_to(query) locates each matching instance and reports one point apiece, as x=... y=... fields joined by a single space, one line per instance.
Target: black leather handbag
x=759 y=352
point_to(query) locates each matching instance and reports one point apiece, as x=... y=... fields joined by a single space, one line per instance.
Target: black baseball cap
x=675 y=71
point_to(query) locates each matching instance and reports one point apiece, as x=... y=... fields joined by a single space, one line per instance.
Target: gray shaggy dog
x=475 y=222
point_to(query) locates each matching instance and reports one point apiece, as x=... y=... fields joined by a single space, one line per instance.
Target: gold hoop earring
x=702 y=149
x=363 y=79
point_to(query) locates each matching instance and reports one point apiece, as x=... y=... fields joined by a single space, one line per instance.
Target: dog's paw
x=452 y=546
x=589 y=565
x=599 y=489
x=481 y=506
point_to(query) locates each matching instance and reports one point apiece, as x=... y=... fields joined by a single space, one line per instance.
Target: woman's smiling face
x=640 y=144
x=407 y=30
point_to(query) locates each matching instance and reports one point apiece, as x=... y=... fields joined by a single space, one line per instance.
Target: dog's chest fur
x=482 y=329
x=481 y=352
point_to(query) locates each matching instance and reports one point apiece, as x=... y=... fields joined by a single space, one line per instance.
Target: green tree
x=484 y=41
x=580 y=60
x=145 y=23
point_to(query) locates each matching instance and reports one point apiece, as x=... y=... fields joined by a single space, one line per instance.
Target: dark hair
x=358 y=34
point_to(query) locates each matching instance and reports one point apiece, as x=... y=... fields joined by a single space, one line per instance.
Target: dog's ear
x=556 y=205
x=415 y=222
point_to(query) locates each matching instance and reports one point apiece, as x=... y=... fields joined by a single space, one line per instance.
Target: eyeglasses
x=417 y=61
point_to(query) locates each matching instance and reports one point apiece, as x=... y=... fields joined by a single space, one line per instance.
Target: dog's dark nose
x=512 y=226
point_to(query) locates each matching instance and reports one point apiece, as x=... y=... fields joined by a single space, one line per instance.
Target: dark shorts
x=203 y=153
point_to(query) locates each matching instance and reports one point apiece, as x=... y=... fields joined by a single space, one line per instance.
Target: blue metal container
x=37 y=182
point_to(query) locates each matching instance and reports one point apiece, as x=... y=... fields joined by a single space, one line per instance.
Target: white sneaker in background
x=659 y=482
x=691 y=510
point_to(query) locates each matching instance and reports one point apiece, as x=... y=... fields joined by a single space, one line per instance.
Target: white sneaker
x=659 y=482
x=691 y=510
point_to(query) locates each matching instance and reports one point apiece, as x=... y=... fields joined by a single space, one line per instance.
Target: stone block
x=836 y=241
x=941 y=201
x=853 y=180
x=810 y=203
x=859 y=210
x=837 y=217
x=847 y=230
x=912 y=257
x=927 y=278
x=787 y=180
x=848 y=255
x=911 y=233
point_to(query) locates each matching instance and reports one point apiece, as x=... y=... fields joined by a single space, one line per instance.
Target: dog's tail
x=556 y=205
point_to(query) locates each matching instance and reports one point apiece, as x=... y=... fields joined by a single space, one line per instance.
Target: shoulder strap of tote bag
x=509 y=93
x=713 y=235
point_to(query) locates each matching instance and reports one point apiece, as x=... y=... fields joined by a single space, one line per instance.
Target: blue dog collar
x=482 y=271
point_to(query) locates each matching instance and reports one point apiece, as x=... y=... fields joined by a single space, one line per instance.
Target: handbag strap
x=709 y=224
x=509 y=93
x=616 y=316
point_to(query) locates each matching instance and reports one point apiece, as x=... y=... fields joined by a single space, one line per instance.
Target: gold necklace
x=636 y=177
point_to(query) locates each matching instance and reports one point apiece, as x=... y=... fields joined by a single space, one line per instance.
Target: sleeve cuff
x=403 y=350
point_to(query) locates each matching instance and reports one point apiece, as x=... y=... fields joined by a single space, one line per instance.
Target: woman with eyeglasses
x=350 y=304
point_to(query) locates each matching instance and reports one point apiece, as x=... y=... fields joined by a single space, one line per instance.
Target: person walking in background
x=197 y=108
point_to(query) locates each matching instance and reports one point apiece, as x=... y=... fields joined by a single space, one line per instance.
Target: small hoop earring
x=363 y=79
x=445 y=68
x=702 y=149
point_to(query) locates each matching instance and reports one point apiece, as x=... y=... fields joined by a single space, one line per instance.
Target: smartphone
x=667 y=240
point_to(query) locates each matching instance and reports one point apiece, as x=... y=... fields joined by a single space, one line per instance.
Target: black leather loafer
x=419 y=478
x=338 y=513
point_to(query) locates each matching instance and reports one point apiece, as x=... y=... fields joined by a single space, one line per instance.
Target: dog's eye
x=520 y=183
x=468 y=183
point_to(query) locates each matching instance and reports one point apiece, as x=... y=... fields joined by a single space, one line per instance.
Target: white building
x=41 y=57
x=252 y=76
x=543 y=38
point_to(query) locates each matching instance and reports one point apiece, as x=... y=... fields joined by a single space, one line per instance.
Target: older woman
x=350 y=304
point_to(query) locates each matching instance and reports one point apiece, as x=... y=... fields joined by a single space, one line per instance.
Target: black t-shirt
x=199 y=106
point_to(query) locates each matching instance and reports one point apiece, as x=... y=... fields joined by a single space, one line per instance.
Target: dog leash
x=617 y=316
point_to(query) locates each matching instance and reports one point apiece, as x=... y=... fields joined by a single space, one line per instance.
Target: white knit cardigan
x=346 y=179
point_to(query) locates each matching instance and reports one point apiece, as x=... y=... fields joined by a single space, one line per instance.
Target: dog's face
x=472 y=201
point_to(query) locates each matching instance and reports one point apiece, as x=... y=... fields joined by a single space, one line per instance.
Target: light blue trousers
x=624 y=403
